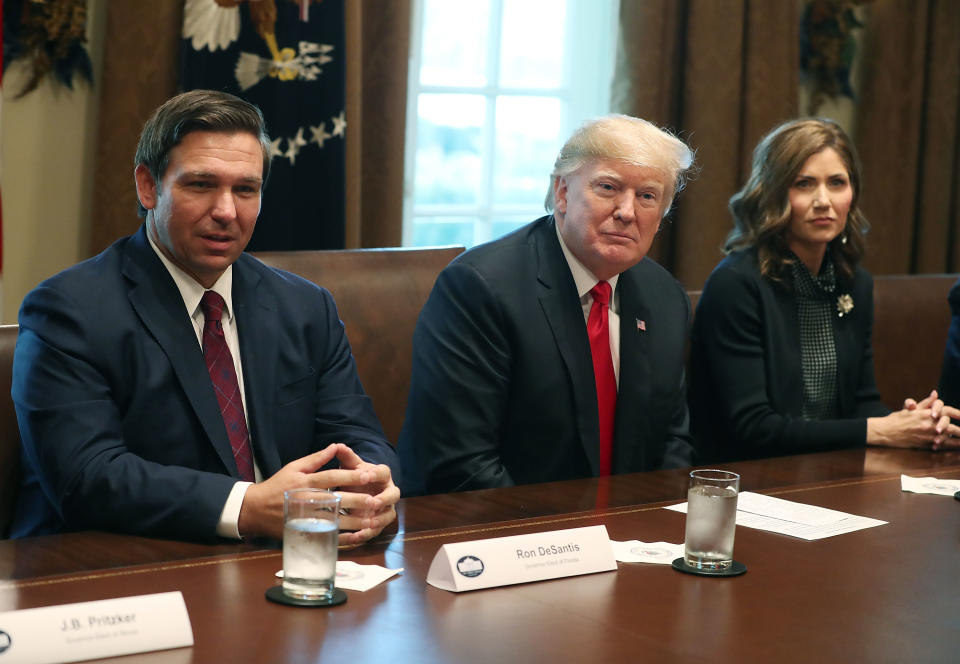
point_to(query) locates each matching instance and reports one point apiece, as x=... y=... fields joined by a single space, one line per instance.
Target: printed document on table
x=786 y=517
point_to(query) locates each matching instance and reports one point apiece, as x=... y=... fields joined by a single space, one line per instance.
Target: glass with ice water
x=711 y=519
x=311 y=523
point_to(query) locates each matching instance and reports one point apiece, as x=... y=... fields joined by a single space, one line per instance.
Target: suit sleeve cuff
x=229 y=525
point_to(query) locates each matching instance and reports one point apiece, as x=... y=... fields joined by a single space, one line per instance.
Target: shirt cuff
x=229 y=525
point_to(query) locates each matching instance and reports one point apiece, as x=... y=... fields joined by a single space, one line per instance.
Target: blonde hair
x=632 y=140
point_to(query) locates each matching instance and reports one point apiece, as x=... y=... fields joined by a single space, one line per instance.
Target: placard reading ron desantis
x=504 y=561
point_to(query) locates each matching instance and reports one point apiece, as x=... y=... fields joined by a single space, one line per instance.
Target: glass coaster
x=736 y=569
x=276 y=594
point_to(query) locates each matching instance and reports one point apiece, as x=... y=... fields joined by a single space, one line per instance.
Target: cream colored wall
x=47 y=145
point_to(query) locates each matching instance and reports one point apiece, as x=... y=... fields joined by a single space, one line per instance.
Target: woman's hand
x=924 y=424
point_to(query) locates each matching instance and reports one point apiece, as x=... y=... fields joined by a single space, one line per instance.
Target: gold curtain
x=141 y=62
x=908 y=135
x=721 y=73
x=378 y=47
x=140 y=72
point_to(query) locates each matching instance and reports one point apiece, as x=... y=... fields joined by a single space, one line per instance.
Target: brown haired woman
x=781 y=359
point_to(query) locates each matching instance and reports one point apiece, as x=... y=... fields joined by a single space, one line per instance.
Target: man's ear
x=560 y=194
x=146 y=186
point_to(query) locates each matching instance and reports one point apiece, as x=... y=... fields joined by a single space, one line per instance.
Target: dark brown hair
x=196 y=110
x=761 y=210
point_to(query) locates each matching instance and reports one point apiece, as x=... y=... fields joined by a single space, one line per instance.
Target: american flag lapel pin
x=641 y=325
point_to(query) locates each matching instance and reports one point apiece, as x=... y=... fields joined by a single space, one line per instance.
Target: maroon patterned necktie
x=598 y=330
x=219 y=362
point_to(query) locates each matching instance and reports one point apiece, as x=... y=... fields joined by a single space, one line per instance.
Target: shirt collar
x=811 y=284
x=191 y=290
x=582 y=276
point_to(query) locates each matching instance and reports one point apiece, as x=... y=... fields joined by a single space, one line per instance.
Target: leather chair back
x=379 y=295
x=911 y=317
x=9 y=432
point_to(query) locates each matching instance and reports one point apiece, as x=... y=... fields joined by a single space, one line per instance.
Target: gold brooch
x=844 y=304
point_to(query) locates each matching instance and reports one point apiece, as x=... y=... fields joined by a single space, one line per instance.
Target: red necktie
x=219 y=362
x=598 y=329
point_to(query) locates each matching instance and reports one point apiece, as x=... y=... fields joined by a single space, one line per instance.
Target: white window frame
x=593 y=23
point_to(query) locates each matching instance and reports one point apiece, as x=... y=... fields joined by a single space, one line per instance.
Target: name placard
x=92 y=630
x=503 y=561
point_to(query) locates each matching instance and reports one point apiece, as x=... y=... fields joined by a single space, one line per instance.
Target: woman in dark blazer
x=781 y=359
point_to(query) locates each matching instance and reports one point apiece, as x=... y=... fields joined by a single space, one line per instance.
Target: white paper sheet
x=786 y=517
x=635 y=551
x=353 y=576
x=929 y=485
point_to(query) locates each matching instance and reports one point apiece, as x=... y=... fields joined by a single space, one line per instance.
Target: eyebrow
x=839 y=174
x=612 y=175
x=250 y=179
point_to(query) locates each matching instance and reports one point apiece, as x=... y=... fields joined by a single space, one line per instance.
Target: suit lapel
x=258 y=329
x=560 y=303
x=158 y=303
x=634 y=389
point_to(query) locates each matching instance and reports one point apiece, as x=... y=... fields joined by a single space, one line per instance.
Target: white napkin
x=635 y=551
x=929 y=485
x=353 y=576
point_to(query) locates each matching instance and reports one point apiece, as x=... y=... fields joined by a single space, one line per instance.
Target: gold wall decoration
x=828 y=48
x=50 y=35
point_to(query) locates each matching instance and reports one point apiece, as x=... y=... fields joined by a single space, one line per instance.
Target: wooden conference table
x=884 y=594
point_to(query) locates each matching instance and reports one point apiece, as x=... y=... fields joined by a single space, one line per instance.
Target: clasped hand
x=919 y=424
x=367 y=495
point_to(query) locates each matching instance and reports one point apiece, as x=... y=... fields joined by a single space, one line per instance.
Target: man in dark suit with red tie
x=557 y=352
x=175 y=386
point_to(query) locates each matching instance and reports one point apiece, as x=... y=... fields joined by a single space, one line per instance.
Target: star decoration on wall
x=275 y=150
x=294 y=145
x=320 y=134
x=339 y=124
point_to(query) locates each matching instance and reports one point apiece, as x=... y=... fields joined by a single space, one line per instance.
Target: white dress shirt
x=586 y=280
x=192 y=292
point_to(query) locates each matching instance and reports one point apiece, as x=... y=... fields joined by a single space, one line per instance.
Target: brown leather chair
x=9 y=432
x=910 y=322
x=379 y=294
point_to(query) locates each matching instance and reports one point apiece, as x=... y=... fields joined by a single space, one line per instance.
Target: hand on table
x=924 y=424
x=367 y=505
x=942 y=414
x=262 y=511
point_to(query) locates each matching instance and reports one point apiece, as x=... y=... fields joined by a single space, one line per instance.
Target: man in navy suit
x=523 y=369
x=126 y=428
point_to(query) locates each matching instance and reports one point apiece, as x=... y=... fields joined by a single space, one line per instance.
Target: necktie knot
x=212 y=305
x=600 y=293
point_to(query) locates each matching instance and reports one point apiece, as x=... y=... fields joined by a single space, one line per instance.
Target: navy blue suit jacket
x=503 y=390
x=120 y=424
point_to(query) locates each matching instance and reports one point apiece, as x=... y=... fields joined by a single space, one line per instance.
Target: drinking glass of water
x=311 y=523
x=711 y=519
